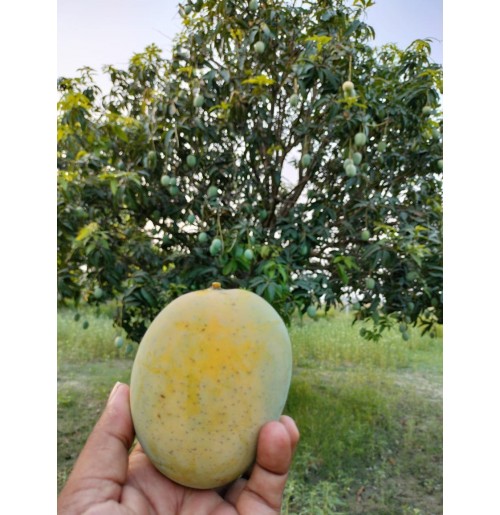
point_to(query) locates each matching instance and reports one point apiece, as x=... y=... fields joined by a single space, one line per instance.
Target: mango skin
x=213 y=367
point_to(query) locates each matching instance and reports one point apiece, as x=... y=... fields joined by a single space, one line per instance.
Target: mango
x=213 y=367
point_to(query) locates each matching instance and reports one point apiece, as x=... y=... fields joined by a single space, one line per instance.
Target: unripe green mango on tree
x=259 y=47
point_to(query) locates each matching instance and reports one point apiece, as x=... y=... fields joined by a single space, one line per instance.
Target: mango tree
x=276 y=149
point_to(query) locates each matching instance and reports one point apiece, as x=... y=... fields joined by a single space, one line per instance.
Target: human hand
x=107 y=480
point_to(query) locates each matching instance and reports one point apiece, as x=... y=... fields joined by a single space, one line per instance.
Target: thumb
x=104 y=458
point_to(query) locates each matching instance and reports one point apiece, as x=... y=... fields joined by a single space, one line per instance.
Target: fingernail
x=114 y=390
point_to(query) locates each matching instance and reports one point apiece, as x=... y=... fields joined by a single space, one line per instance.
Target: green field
x=369 y=413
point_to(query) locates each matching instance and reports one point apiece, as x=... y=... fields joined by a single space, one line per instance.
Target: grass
x=333 y=341
x=78 y=345
x=89 y=365
x=370 y=413
x=82 y=392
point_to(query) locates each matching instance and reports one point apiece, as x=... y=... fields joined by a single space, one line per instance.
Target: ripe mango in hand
x=213 y=367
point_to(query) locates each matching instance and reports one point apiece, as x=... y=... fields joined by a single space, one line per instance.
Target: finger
x=104 y=458
x=292 y=429
x=136 y=448
x=263 y=492
x=233 y=493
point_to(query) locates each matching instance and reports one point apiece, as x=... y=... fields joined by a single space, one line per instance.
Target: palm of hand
x=118 y=483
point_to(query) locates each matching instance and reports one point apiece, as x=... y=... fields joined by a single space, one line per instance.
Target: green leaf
x=352 y=28
x=87 y=231
x=264 y=27
x=283 y=273
x=333 y=79
x=230 y=267
x=166 y=141
x=120 y=133
x=342 y=273
x=147 y=297
x=113 y=184
x=187 y=70
x=259 y=80
x=260 y=288
x=320 y=41
x=350 y=262
x=327 y=15
x=271 y=291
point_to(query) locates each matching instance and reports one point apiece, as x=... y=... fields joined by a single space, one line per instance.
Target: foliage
x=132 y=207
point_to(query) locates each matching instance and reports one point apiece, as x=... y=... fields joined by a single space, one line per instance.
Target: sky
x=96 y=33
